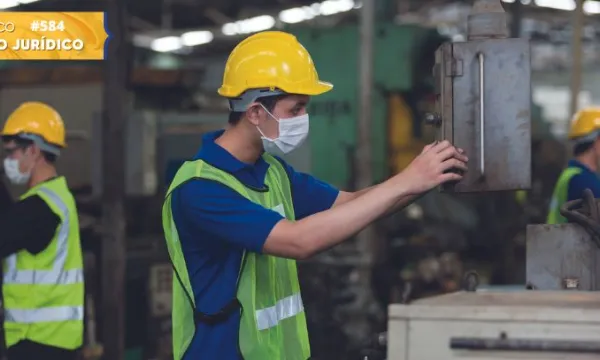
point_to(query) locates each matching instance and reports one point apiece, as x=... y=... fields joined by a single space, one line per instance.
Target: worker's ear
x=254 y=114
x=597 y=146
x=34 y=151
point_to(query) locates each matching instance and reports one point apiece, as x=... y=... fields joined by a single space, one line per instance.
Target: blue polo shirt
x=584 y=180
x=216 y=224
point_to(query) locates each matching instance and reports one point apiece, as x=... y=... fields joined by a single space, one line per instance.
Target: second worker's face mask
x=13 y=172
x=292 y=133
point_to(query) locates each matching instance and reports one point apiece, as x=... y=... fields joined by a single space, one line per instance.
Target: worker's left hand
x=433 y=167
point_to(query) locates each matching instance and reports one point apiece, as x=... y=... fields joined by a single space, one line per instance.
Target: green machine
x=404 y=57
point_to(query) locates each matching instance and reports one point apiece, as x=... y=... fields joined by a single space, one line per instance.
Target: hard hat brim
x=320 y=87
x=317 y=88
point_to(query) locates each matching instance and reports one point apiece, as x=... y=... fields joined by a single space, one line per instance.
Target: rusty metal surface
x=506 y=150
x=562 y=257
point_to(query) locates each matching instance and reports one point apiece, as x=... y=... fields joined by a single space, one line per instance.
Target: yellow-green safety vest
x=273 y=322
x=44 y=293
x=560 y=195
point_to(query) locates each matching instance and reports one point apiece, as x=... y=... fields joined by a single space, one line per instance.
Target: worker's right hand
x=431 y=168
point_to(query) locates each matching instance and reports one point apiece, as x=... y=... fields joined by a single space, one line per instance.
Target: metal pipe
x=364 y=147
x=367 y=240
x=576 y=67
x=116 y=75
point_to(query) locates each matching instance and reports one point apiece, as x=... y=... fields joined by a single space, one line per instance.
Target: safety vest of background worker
x=43 y=284
x=237 y=217
x=581 y=173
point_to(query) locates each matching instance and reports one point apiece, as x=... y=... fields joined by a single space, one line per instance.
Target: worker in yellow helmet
x=237 y=217
x=42 y=286
x=581 y=172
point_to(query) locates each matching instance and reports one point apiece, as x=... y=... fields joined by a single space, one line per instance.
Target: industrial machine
x=403 y=84
x=483 y=106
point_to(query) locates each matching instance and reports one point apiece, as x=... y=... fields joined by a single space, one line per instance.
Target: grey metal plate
x=556 y=252
x=507 y=123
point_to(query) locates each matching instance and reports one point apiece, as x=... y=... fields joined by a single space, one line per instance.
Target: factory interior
x=392 y=292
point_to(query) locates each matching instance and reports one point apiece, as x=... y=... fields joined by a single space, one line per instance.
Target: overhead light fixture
x=591 y=7
x=331 y=7
x=7 y=4
x=167 y=44
x=195 y=38
x=567 y=5
x=247 y=26
x=296 y=15
x=325 y=8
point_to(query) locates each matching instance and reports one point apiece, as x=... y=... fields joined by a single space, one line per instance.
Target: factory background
x=173 y=64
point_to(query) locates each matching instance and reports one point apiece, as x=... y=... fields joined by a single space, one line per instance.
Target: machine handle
x=481 y=59
x=537 y=345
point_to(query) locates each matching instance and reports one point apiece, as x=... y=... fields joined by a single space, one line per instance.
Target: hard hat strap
x=241 y=103
x=41 y=143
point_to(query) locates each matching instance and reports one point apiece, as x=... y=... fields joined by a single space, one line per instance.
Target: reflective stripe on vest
x=283 y=309
x=45 y=314
x=57 y=275
x=273 y=322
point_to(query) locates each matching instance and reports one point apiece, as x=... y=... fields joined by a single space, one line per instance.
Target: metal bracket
x=454 y=67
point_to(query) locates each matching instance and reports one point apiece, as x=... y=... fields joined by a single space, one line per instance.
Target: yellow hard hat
x=36 y=118
x=271 y=60
x=584 y=122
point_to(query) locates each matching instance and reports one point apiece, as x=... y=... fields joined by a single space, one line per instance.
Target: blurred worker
x=581 y=172
x=42 y=260
x=237 y=217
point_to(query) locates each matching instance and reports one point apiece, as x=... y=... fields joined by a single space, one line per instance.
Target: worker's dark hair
x=25 y=143
x=268 y=102
x=583 y=147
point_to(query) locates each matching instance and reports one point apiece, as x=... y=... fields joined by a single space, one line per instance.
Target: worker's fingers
x=428 y=147
x=453 y=163
x=441 y=146
x=452 y=152
x=450 y=176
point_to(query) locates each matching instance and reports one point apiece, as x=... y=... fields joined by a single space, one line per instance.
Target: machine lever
x=481 y=59
x=537 y=345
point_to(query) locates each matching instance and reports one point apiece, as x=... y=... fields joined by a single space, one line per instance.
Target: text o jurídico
x=42 y=44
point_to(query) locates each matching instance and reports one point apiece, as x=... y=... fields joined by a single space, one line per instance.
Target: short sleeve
x=215 y=209
x=310 y=194
x=581 y=182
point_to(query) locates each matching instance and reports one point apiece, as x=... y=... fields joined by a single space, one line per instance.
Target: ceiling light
x=167 y=44
x=194 y=38
x=7 y=4
x=557 y=4
x=247 y=26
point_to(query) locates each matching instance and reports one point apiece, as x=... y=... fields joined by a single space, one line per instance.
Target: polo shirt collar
x=217 y=156
x=577 y=164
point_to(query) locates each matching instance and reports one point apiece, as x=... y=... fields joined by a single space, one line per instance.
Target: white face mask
x=14 y=175
x=292 y=133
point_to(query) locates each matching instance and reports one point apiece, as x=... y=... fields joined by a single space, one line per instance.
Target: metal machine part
x=566 y=256
x=498 y=325
x=483 y=89
x=487 y=20
x=561 y=257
